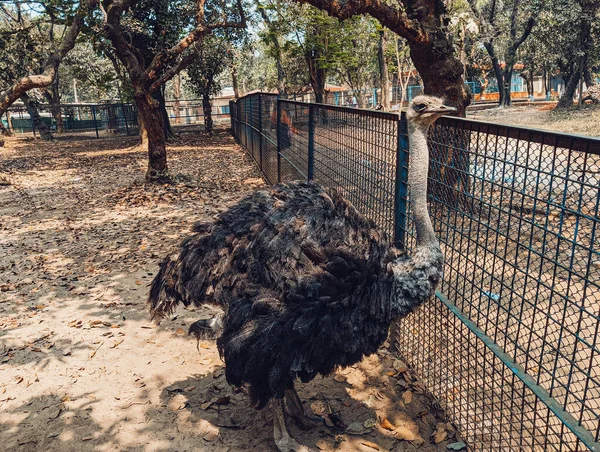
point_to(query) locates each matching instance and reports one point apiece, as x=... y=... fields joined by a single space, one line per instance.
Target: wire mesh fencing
x=190 y=112
x=509 y=346
x=105 y=119
x=91 y=120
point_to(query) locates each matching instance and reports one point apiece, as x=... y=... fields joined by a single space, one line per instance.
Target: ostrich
x=306 y=284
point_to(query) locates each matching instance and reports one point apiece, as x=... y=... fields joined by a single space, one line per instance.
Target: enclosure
x=509 y=346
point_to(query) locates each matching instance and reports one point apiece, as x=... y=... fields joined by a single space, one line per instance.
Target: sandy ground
x=81 y=366
x=583 y=122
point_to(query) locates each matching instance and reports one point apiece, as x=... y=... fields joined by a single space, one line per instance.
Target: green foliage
x=91 y=71
x=355 y=54
x=214 y=57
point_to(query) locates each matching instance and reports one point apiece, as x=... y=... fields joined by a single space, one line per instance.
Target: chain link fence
x=509 y=346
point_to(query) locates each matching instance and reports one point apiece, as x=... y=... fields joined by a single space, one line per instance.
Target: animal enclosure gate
x=510 y=345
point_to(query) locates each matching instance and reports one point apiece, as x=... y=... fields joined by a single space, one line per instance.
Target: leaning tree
x=423 y=24
x=73 y=20
x=149 y=75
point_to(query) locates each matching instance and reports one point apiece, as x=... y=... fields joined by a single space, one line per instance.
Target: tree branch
x=168 y=56
x=526 y=32
x=390 y=16
x=24 y=84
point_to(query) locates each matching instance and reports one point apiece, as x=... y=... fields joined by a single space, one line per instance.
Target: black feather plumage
x=306 y=282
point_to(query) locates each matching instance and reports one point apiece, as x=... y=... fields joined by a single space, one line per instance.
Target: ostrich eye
x=420 y=107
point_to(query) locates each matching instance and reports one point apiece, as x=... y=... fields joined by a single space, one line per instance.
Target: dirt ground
x=574 y=120
x=81 y=366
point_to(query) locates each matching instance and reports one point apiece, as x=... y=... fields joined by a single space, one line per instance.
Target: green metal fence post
x=252 y=143
x=401 y=186
x=260 y=137
x=311 y=142
x=278 y=135
x=125 y=118
x=231 y=104
x=95 y=122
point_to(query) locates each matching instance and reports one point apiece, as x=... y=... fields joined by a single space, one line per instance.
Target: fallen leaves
x=117 y=343
x=218 y=401
x=399 y=432
x=443 y=431
x=93 y=353
x=385 y=424
x=399 y=366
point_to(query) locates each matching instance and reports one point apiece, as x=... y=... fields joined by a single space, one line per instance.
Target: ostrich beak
x=440 y=109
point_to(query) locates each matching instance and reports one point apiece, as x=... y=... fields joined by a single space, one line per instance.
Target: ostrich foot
x=281 y=432
x=294 y=408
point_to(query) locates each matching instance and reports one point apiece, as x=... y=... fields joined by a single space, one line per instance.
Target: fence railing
x=510 y=346
x=96 y=120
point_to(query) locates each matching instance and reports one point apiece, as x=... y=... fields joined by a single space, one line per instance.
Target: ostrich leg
x=294 y=408
x=281 y=432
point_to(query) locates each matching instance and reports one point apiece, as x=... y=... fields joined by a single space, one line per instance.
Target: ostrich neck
x=417 y=183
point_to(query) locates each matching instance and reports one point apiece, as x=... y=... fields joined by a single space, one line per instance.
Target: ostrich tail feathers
x=164 y=296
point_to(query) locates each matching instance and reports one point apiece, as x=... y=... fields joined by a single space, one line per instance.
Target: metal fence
x=93 y=120
x=191 y=112
x=104 y=119
x=509 y=346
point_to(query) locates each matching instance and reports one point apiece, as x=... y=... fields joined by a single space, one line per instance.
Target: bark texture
x=152 y=134
x=52 y=95
x=207 y=111
x=37 y=123
x=384 y=80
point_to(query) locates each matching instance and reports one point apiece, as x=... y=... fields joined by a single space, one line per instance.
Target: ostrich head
x=424 y=110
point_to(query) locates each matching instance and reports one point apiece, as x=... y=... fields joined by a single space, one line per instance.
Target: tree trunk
x=545 y=87
x=489 y=47
x=207 y=110
x=317 y=73
x=566 y=100
x=36 y=120
x=384 y=80
x=441 y=72
x=581 y=66
x=234 y=82
x=507 y=79
x=53 y=97
x=152 y=134
x=160 y=97
x=177 y=97
x=588 y=79
x=317 y=76
x=361 y=97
